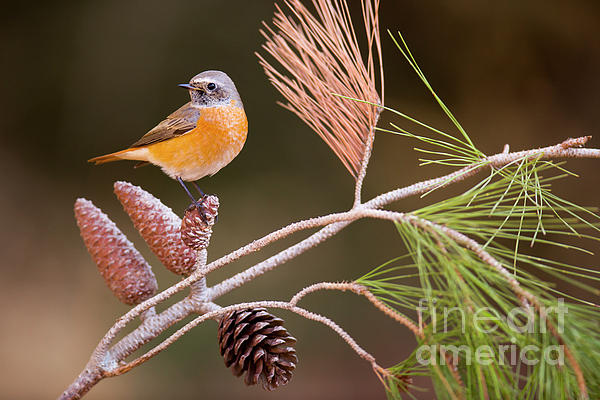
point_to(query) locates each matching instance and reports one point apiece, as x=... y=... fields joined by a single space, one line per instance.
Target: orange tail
x=116 y=156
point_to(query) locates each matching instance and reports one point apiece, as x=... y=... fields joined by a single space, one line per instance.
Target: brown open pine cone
x=255 y=342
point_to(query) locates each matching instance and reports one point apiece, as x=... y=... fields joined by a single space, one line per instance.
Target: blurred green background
x=83 y=78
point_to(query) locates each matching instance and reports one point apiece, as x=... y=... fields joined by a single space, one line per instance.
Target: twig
x=362 y=291
x=445 y=382
x=370 y=12
x=268 y=304
x=559 y=151
x=363 y=168
x=152 y=327
x=84 y=382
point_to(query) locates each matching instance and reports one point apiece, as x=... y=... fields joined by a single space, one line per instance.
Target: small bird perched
x=198 y=139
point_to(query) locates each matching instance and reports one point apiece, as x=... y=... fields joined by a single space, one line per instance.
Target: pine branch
x=559 y=151
x=333 y=224
x=332 y=87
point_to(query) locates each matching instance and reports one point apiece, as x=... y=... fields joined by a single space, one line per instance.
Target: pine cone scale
x=259 y=353
x=240 y=342
x=258 y=338
x=254 y=373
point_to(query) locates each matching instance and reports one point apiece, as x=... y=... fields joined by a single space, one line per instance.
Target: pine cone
x=159 y=226
x=403 y=382
x=255 y=342
x=123 y=268
x=196 y=226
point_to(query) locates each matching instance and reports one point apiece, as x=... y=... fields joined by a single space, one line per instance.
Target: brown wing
x=179 y=122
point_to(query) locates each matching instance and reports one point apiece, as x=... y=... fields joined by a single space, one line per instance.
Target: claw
x=202 y=210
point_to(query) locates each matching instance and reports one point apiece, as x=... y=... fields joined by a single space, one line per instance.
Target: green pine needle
x=509 y=212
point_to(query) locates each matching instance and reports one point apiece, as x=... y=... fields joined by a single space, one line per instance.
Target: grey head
x=212 y=88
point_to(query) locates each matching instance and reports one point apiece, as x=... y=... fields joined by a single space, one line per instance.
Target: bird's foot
x=201 y=207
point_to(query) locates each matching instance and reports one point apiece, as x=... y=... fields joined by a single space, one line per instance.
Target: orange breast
x=219 y=136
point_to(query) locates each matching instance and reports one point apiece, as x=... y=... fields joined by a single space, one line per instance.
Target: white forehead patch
x=203 y=80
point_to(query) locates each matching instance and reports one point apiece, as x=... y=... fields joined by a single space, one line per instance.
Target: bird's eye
x=211 y=86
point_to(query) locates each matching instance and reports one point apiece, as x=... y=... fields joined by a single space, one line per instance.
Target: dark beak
x=187 y=86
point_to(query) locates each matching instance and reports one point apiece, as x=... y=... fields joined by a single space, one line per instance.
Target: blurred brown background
x=83 y=78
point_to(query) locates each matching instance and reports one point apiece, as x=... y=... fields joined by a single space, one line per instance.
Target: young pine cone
x=403 y=382
x=255 y=342
x=197 y=223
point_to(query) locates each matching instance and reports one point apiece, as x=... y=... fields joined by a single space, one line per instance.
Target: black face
x=207 y=93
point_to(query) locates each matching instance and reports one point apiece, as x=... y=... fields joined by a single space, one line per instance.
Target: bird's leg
x=194 y=201
x=200 y=192
x=199 y=204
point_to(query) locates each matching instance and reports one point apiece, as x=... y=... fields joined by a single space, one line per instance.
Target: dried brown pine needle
x=321 y=56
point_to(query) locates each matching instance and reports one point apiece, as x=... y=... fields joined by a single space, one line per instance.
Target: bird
x=199 y=138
